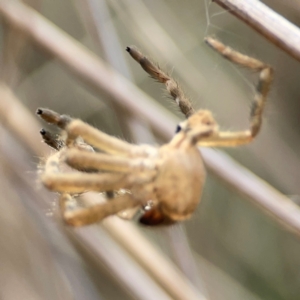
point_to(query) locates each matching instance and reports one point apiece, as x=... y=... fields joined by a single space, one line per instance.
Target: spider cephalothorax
x=165 y=183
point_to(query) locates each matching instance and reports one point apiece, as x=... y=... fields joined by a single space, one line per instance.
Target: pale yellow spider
x=166 y=182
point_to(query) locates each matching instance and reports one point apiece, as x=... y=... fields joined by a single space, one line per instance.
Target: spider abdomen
x=180 y=182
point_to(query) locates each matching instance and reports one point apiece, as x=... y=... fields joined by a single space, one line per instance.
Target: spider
x=164 y=183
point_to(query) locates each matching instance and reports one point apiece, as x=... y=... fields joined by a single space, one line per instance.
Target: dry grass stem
x=264 y=20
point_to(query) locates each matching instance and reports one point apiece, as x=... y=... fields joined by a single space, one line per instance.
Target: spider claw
x=178 y=129
x=43 y=132
x=39 y=111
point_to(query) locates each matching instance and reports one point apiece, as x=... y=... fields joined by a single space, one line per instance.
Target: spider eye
x=178 y=128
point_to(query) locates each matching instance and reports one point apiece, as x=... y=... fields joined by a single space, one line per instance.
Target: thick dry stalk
x=14 y=116
x=267 y=22
x=165 y=275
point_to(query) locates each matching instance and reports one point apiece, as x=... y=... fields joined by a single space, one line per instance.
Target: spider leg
x=172 y=86
x=79 y=182
x=230 y=139
x=52 y=140
x=103 y=162
x=95 y=213
x=53 y=117
x=75 y=182
x=91 y=135
x=98 y=139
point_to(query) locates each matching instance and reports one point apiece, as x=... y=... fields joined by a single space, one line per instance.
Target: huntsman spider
x=164 y=183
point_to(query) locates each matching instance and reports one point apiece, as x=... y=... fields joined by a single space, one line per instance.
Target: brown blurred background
x=230 y=249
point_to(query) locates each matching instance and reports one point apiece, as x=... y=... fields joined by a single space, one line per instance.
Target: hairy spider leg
x=103 y=162
x=53 y=117
x=97 y=138
x=74 y=183
x=52 y=140
x=89 y=215
x=172 y=86
x=105 y=142
x=77 y=128
x=231 y=139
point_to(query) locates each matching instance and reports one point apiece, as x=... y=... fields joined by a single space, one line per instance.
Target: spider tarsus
x=51 y=139
x=215 y=44
x=137 y=56
x=53 y=117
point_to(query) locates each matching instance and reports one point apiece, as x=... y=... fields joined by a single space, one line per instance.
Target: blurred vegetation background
x=230 y=249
